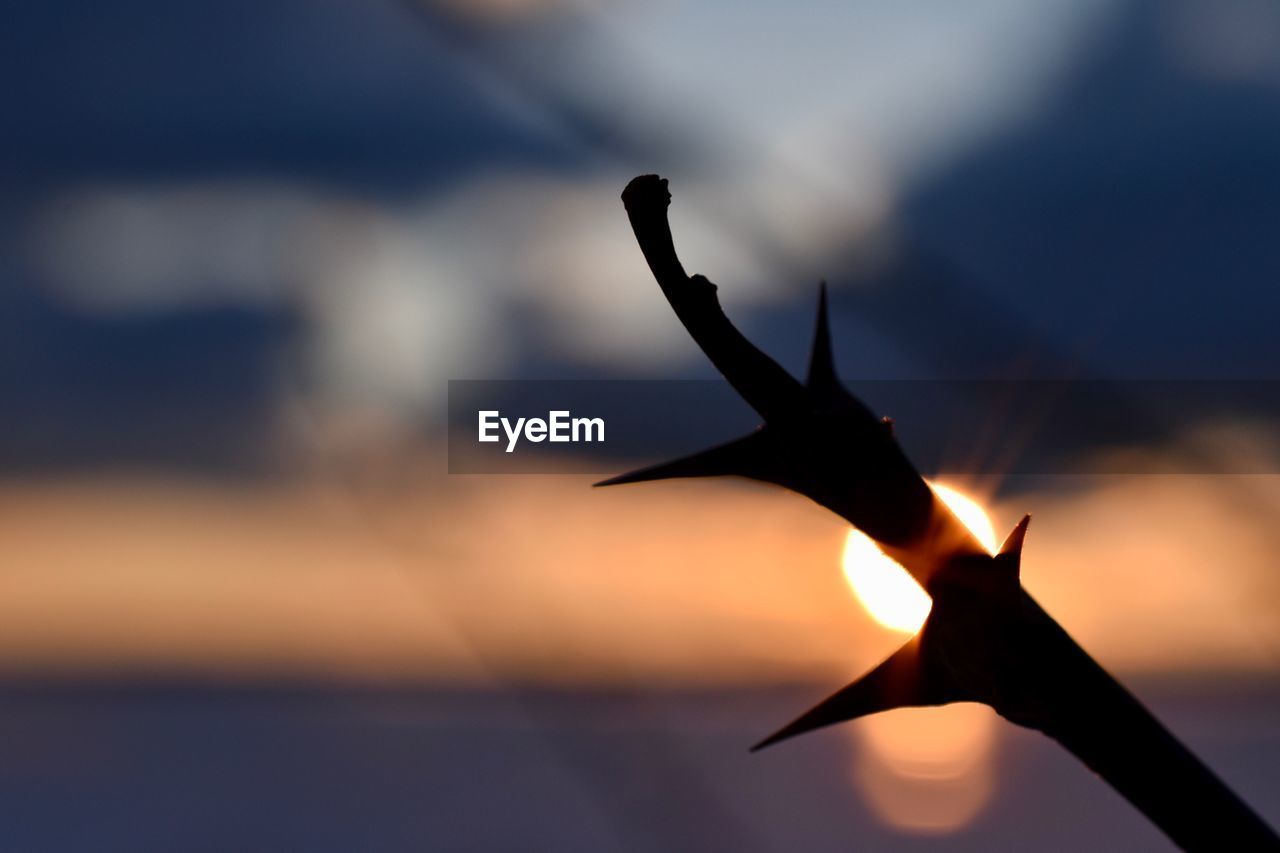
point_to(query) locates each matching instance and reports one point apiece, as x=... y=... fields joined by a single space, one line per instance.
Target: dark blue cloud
x=1131 y=223
x=362 y=93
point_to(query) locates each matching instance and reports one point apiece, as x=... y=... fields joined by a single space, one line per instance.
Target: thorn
x=748 y=456
x=895 y=683
x=1010 y=556
x=1013 y=543
x=822 y=367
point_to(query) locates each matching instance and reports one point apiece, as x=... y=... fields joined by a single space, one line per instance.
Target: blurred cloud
x=391 y=569
x=397 y=298
x=796 y=135
x=908 y=83
x=391 y=305
x=503 y=12
x=136 y=249
x=1227 y=39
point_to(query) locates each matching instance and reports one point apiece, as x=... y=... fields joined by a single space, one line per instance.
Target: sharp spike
x=1013 y=543
x=1011 y=551
x=896 y=683
x=744 y=457
x=822 y=367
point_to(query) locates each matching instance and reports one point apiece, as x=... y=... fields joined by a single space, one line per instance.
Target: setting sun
x=890 y=595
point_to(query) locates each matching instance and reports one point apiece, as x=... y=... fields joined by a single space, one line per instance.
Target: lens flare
x=890 y=595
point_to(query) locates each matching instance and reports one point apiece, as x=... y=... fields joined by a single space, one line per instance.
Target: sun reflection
x=931 y=743
x=927 y=770
x=890 y=595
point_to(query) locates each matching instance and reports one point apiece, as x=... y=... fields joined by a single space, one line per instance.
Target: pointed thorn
x=770 y=740
x=1013 y=544
x=896 y=683
x=822 y=367
x=743 y=457
x=1010 y=557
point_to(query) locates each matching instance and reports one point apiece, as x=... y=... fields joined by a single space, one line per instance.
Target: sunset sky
x=245 y=246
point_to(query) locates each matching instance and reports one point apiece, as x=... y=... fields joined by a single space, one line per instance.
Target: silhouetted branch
x=872 y=483
x=760 y=380
x=985 y=640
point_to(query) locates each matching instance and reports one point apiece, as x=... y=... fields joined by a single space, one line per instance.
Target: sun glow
x=890 y=595
x=922 y=770
x=970 y=513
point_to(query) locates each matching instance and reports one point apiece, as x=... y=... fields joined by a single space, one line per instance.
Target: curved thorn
x=1010 y=555
x=1013 y=543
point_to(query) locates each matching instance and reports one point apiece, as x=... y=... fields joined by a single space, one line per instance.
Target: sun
x=970 y=513
x=890 y=595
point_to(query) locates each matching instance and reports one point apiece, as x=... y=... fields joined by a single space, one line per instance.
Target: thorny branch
x=986 y=640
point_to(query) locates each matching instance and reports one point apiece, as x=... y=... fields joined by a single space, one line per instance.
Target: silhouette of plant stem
x=985 y=640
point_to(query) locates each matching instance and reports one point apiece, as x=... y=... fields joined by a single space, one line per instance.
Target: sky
x=248 y=245
x=244 y=246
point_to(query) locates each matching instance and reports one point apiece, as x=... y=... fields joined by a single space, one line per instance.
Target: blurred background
x=245 y=246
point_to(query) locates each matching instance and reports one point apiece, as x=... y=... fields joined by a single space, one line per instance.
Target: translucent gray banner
x=971 y=427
